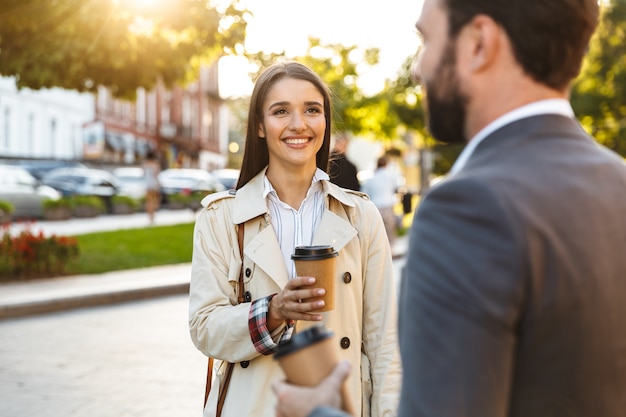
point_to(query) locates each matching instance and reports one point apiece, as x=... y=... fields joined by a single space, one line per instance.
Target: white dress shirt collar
x=296 y=226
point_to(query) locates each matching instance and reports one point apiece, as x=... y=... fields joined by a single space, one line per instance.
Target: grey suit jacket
x=513 y=298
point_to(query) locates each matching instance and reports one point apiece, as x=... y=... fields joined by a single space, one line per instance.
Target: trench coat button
x=248 y=298
x=248 y=272
x=244 y=364
x=347 y=277
x=345 y=342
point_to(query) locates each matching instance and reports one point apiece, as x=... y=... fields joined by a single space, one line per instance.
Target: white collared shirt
x=548 y=106
x=296 y=227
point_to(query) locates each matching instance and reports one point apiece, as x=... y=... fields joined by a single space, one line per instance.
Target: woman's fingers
x=298 y=299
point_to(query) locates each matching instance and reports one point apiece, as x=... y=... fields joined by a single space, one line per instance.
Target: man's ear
x=484 y=35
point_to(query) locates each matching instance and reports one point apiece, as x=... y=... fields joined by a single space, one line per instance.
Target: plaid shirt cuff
x=257 y=324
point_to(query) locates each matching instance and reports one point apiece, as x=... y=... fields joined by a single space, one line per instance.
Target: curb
x=29 y=298
x=68 y=293
x=31 y=308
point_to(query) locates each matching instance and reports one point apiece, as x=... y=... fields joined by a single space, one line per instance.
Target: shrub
x=87 y=206
x=178 y=201
x=88 y=201
x=63 y=202
x=188 y=199
x=6 y=208
x=33 y=255
x=60 y=209
x=124 y=200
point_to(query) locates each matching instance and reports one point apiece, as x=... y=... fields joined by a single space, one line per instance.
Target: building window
x=31 y=132
x=53 y=134
x=7 y=127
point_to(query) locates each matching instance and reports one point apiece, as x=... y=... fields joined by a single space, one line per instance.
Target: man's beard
x=445 y=102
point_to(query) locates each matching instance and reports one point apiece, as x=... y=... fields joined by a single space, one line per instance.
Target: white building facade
x=46 y=124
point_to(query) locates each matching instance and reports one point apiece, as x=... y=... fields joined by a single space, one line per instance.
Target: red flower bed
x=30 y=254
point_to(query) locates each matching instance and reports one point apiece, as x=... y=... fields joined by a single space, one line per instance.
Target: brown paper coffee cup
x=309 y=357
x=318 y=262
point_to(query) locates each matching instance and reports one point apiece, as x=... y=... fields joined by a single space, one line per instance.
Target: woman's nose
x=297 y=122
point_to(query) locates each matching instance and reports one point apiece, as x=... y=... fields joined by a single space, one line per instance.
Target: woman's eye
x=280 y=111
x=313 y=110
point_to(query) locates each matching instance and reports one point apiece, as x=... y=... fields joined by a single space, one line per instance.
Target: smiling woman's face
x=293 y=124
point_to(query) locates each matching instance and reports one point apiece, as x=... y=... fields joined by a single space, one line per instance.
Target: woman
x=285 y=199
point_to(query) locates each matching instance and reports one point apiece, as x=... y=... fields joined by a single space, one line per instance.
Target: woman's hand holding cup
x=296 y=301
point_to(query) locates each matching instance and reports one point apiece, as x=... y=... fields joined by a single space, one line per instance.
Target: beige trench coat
x=363 y=322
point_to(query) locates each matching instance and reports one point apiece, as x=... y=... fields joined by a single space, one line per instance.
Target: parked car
x=84 y=181
x=132 y=182
x=188 y=181
x=38 y=168
x=24 y=192
x=227 y=176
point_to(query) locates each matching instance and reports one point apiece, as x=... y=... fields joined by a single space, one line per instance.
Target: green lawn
x=139 y=248
x=132 y=248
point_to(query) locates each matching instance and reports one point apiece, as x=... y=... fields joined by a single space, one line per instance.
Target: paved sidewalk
x=54 y=294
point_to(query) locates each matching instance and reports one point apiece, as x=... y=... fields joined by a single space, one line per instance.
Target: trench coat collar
x=262 y=246
x=250 y=203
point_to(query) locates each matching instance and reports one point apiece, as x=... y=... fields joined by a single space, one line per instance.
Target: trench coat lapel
x=263 y=247
x=333 y=230
x=262 y=250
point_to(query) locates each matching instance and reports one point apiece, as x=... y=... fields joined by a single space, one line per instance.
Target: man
x=341 y=171
x=511 y=298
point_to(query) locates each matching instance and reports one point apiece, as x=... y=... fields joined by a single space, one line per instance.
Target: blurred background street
x=133 y=358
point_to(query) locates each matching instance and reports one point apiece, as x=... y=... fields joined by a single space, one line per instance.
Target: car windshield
x=71 y=178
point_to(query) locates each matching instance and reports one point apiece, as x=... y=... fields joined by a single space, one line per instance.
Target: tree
x=598 y=95
x=339 y=67
x=407 y=118
x=118 y=44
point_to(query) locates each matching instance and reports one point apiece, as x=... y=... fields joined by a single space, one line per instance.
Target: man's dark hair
x=549 y=37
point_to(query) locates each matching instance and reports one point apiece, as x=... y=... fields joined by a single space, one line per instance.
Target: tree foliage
x=83 y=44
x=599 y=94
x=339 y=67
x=394 y=115
x=407 y=112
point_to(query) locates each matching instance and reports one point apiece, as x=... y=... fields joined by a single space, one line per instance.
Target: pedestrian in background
x=342 y=171
x=284 y=199
x=511 y=302
x=151 y=169
x=382 y=189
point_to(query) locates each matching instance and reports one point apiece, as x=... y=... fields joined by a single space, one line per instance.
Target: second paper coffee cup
x=319 y=262
x=309 y=357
